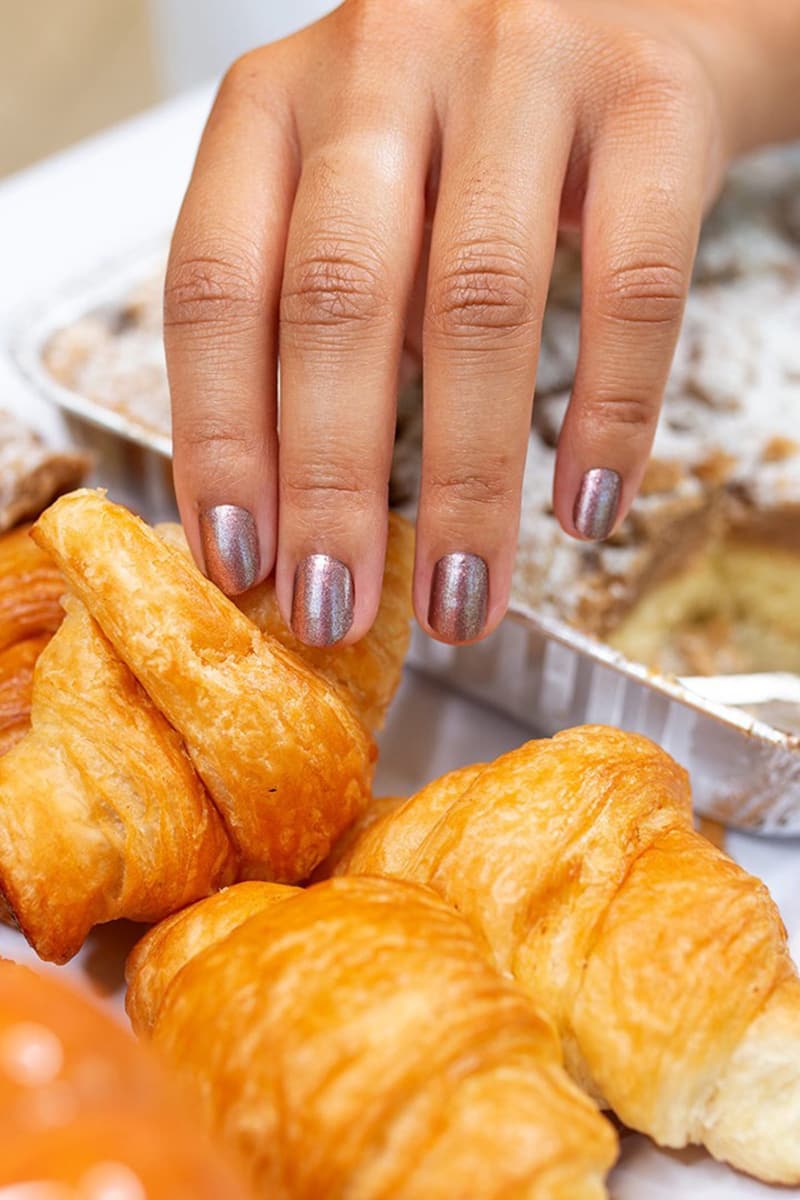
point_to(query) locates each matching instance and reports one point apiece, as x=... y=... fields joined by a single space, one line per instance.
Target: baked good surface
x=663 y=964
x=114 y=357
x=363 y=1046
x=285 y=760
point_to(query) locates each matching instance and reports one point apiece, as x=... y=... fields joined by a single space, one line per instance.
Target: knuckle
x=644 y=292
x=214 y=435
x=657 y=75
x=333 y=285
x=624 y=414
x=486 y=488
x=318 y=484
x=212 y=289
x=485 y=289
x=244 y=77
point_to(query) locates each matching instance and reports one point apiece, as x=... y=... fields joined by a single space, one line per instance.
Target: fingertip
x=329 y=598
x=460 y=598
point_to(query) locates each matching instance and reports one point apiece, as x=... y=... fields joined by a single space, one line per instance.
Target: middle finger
x=352 y=250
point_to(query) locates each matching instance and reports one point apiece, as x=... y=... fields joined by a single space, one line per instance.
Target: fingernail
x=596 y=503
x=322 y=604
x=459 y=597
x=229 y=539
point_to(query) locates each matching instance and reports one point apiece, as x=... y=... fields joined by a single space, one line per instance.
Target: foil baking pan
x=540 y=671
x=549 y=676
x=133 y=462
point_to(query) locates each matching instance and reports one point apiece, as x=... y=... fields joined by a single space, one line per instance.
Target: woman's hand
x=398 y=173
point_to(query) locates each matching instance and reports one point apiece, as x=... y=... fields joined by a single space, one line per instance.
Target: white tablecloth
x=58 y=221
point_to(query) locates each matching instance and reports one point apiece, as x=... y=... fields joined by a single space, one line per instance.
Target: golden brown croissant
x=352 y=1040
x=285 y=760
x=664 y=965
x=31 y=588
x=85 y=1113
x=16 y=687
x=102 y=812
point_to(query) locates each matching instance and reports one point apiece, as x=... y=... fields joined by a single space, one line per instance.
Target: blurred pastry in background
x=84 y=1112
x=31 y=473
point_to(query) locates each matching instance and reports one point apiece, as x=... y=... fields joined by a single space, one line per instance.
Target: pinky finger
x=641 y=223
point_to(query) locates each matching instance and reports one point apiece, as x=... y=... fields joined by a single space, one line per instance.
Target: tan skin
x=395 y=176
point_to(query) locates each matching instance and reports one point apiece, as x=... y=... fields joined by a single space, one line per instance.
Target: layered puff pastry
x=31 y=588
x=85 y=1113
x=102 y=814
x=351 y=1039
x=175 y=747
x=663 y=964
x=17 y=663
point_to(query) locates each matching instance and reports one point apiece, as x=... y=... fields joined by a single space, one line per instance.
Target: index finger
x=220 y=327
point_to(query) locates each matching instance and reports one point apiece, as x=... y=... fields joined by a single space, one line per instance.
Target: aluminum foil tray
x=132 y=462
x=547 y=675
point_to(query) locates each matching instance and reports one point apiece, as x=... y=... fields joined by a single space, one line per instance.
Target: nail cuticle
x=322 y=601
x=229 y=540
x=459 y=597
x=597 y=503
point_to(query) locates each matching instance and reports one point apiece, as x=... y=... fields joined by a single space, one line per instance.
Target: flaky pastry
x=17 y=664
x=104 y=812
x=31 y=588
x=101 y=813
x=352 y=1040
x=368 y=672
x=663 y=964
x=284 y=759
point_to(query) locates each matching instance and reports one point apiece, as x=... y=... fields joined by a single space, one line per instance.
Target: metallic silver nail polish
x=596 y=503
x=459 y=597
x=229 y=539
x=322 y=603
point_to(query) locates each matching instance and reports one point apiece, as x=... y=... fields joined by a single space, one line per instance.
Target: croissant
x=16 y=688
x=663 y=964
x=83 y=1110
x=101 y=812
x=110 y=808
x=31 y=588
x=363 y=1046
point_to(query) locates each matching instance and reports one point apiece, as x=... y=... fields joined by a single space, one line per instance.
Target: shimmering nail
x=229 y=539
x=322 y=604
x=596 y=503
x=459 y=597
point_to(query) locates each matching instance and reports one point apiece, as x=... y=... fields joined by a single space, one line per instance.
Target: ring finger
x=491 y=256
